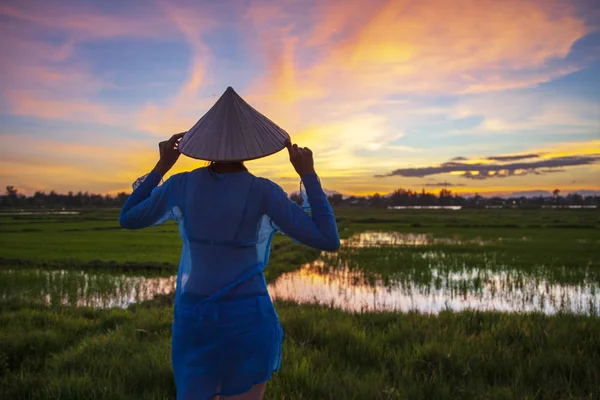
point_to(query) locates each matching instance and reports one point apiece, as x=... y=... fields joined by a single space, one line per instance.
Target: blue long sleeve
x=320 y=229
x=148 y=204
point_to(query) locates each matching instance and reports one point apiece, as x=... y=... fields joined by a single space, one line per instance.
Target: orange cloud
x=329 y=66
x=435 y=46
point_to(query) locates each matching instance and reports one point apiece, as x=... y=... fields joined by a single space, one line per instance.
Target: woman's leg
x=256 y=393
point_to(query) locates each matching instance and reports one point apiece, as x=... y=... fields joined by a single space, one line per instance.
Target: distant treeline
x=445 y=197
x=52 y=200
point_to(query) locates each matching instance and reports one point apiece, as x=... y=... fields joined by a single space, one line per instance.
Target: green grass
x=95 y=240
x=416 y=264
x=571 y=236
x=76 y=353
x=53 y=352
x=352 y=217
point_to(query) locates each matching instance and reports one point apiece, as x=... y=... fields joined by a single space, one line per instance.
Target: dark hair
x=239 y=163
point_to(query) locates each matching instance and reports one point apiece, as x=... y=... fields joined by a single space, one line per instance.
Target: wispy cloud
x=42 y=75
x=181 y=110
x=517 y=112
x=87 y=20
x=485 y=46
x=356 y=56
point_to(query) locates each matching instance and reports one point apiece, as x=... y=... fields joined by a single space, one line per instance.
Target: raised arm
x=320 y=229
x=148 y=204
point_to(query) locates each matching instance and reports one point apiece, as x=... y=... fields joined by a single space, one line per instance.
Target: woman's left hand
x=169 y=153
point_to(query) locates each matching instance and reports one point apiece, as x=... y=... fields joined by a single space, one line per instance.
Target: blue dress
x=226 y=334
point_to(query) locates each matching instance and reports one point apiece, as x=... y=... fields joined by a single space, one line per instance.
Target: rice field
x=469 y=304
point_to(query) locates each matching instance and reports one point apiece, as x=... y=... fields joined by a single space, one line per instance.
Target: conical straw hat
x=232 y=131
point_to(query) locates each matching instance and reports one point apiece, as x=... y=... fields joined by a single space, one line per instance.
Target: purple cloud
x=517 y=157
x=484 y=171
x=440 y=184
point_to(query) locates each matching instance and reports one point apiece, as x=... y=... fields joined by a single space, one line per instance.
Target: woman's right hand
x=169 y=153
x=301 y=158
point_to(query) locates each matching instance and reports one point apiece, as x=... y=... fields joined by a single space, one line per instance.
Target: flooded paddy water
x=471 y=288
x=373 y=271
x=98 y=289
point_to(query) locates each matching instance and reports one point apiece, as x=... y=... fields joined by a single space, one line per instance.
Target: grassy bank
x=95 y=239
x=76 y=353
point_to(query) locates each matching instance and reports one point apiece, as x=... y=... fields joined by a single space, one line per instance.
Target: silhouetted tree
x=445 y=197
x=556 y=192
x=400 y=197
x=335 y=199
x=376 y=200
x=11 y=197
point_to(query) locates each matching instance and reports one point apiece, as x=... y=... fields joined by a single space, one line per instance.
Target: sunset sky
x=491 y=96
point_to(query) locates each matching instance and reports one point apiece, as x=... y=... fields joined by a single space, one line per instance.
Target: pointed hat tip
x=229 y=89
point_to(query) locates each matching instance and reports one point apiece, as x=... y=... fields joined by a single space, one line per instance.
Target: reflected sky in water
x=441 y=285
x=377 y=239
x=470 y=289
x=437 y=282
x=83 y=288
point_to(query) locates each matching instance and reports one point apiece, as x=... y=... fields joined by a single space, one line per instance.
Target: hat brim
x=234 y=160
x=233 y=130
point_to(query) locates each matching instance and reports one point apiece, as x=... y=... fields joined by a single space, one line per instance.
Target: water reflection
x=479 y=289
x=355 y=279
x=342 y=287
x=82 y=288
x=376 y=239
